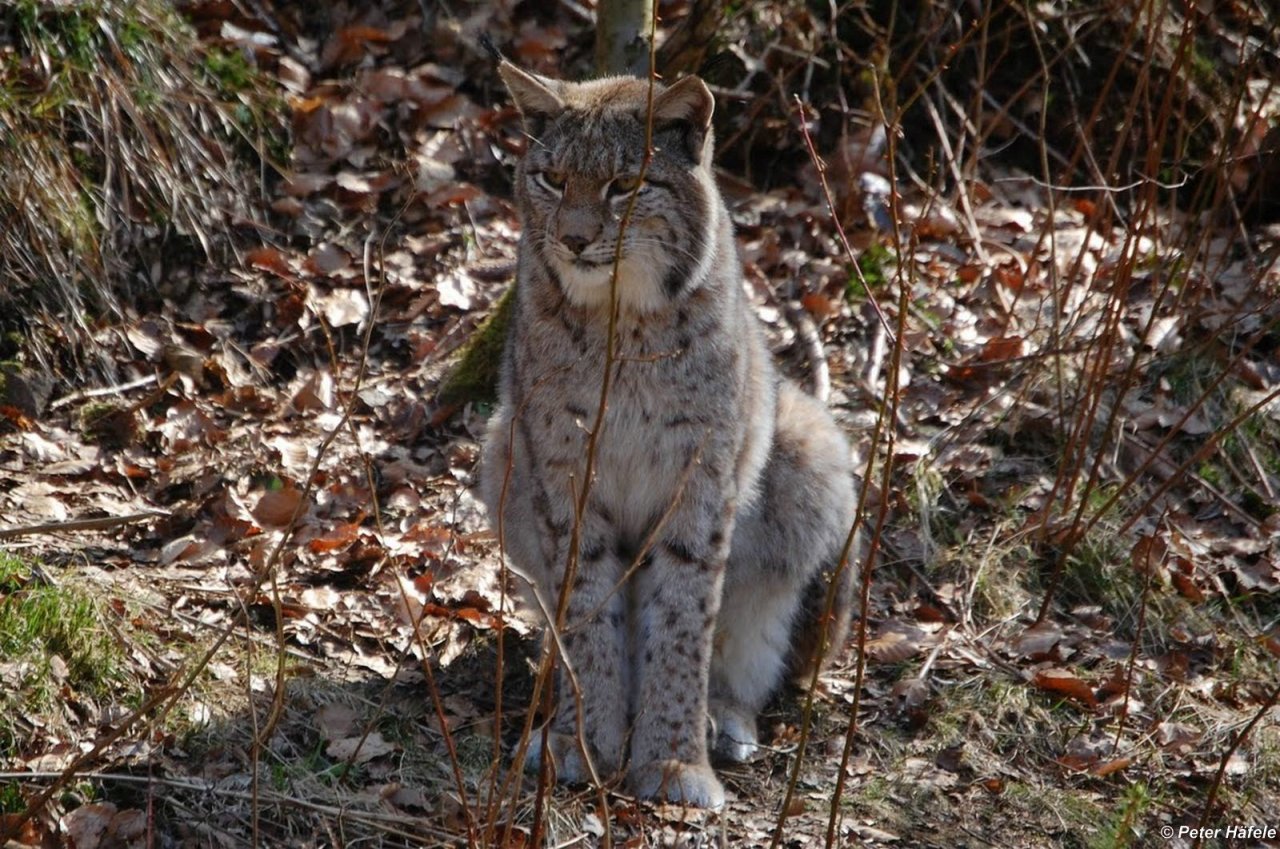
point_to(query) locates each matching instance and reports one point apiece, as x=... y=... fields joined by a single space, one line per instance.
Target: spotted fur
x=722 y=494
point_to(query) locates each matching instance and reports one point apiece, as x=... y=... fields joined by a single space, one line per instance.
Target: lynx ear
x=537 y=98
x=685 y=110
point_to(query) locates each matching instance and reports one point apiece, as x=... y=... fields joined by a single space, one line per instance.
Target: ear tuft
x=686 y=108
x=537 y=98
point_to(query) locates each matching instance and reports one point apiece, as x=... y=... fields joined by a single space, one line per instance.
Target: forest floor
x=294 y=629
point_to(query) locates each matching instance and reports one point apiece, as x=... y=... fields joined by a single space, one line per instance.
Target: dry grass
x=123 y=142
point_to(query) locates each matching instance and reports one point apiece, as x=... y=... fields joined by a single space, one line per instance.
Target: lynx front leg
x=592 y=680
x=679 y=594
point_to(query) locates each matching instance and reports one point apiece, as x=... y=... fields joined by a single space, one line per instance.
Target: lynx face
x=584 y=169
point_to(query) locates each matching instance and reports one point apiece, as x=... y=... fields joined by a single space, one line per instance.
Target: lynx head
x=583 y=165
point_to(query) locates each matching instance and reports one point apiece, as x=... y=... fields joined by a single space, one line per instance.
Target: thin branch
x=98 y=523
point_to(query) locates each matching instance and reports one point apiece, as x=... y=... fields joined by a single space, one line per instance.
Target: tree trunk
x=622 y=37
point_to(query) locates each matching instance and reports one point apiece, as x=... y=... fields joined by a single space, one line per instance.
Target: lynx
x=721 y=494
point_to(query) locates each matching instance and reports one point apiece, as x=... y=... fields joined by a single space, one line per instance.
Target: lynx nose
x=578 y=226
x=574 y=242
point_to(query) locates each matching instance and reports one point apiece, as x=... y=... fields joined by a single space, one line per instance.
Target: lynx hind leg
x=781 y=545
x=815 y=636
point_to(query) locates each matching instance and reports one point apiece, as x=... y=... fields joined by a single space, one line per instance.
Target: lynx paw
x=567 y=764
x=678 y=783
x=735 y=733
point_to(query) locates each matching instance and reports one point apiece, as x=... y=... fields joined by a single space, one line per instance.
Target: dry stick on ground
x=1212 y=795
x=97 y=523
x=11 y=827
x=102 y=391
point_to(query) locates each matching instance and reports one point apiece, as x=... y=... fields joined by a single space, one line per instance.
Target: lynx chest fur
x=708 y=498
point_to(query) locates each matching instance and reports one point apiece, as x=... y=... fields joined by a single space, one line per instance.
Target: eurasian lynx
x=721 y=494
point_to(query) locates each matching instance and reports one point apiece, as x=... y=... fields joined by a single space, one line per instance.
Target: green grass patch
x=11 y=801
x=1123 y=827
x=874 y=265
x=51 y=637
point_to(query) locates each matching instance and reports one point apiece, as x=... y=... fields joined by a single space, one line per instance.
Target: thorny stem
x=436 y=701
x=1212 y=795
x=1105 y=341
x=868 y=557
x=892 y=390
x=1148 y=572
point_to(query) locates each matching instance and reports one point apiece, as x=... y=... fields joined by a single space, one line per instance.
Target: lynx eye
x=624 y=185
x=552 y=179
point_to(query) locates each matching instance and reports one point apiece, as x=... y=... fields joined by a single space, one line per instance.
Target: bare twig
x=103 y=391
x=1212 y=796
x=97 y=523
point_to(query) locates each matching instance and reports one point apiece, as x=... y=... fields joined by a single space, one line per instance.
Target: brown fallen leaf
x=819 y=305
x=338 y=536
x=1078 y=763
x=270 y=259
x=87 y=824
x=360 y=751
x=28 y=835
x=1102 y=770
x=276 y=508
x=894 y=642
x=994 y=786
x=335 y=721
x=128 y=828
x=1148 y=554
x=1065 y=683
x=1002 y=348
x=1186 y=586
x=1039 y=642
